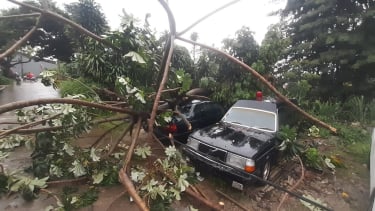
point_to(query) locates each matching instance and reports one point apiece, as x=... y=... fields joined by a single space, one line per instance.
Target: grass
x=5 y=81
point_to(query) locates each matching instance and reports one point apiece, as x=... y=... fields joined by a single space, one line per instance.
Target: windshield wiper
x=237 y=123
x=262 y=128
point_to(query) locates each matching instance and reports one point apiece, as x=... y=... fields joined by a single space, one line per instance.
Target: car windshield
x=185 y=110
x=253 y=118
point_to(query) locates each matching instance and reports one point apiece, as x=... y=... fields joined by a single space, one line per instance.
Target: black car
x=242 y=144
x=198 y=113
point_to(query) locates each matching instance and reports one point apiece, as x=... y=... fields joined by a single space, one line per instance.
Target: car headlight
x=246 y=164
x=192 y=143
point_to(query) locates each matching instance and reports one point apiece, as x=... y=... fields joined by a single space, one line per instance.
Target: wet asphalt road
x=25 y=91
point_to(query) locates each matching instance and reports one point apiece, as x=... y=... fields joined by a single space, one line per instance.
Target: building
x=35 y=67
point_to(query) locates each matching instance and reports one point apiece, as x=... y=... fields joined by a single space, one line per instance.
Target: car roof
x=261 y=105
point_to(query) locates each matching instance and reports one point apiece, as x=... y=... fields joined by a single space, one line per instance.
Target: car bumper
x=208 y=164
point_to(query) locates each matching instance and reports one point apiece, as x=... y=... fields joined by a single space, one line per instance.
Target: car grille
x=212 y=151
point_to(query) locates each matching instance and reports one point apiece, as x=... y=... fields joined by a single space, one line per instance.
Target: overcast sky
x=251 y=13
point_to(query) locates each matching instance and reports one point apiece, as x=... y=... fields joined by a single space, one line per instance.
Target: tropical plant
x=290 y=145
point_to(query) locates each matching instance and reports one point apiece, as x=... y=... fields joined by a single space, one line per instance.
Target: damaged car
x=243 y=144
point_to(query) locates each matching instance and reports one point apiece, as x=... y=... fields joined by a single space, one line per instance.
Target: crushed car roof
x=261 y=105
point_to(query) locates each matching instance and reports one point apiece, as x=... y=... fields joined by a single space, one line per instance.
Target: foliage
x=352 y=134
x=328 y=111
x=313 y=159
x=227 y=80
x=12 y=141
x=75 y=87
x=143 y=151
x=5 y=80
x=26 y=186
x=357 y=109
x=72 y=200
x=273 y=48
x=332 y=39
x=135 y=59
x=88 y=14
x=314 y=132
x=158 y=189
x=290 y=145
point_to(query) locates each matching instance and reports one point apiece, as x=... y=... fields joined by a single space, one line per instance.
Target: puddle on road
x=26 y=91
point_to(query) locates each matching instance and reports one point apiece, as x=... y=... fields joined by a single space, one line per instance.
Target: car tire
x=266 y=170
x=264 y=173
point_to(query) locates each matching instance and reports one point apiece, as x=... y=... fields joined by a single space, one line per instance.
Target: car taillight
x=259 y=96
x=249 y=166
x=172 y=128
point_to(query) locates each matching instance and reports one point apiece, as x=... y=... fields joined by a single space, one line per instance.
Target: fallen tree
x=137 y=118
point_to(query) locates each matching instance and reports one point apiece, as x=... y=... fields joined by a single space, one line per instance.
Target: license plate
x=237 y=185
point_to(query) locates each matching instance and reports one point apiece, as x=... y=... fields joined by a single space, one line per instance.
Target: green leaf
x=143 y=151
x=55 y=170
x=137 y=176
x=176 y=193
x=93 y=156
x=182 y=183
x=135 y=57
x=170 y=151
x=68 y=149
x=98 y=178
x=77 y=169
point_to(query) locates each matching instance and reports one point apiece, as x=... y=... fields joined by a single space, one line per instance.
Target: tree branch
x=105 y=134
x=206 y=16
x=67 y=21
x=127 y=183
x=21 y=41
x=20 y=16
x=22 y=104
x=44 y=129
x=167 y=58
x=113 y=147
x=132 y=145
x=32 y=124
x=264 y=81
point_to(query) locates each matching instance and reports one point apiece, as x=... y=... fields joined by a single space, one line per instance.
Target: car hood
x=233 y=138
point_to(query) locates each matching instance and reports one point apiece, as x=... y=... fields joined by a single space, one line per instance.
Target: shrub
x=327 y=111
x=358 y=110
x=74 y=87
x=5 y=81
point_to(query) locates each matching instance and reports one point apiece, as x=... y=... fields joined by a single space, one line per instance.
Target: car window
x=185 y=110
x=251 y=118
x=217 y=110
x=200 y=109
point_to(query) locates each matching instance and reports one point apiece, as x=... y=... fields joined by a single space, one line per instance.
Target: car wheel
x=266 y=170
x=265 y=173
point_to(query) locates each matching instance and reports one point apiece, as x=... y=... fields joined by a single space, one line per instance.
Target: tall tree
x=226 y=79
x=49 y=34
x=333 y=39
x=89 y=14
